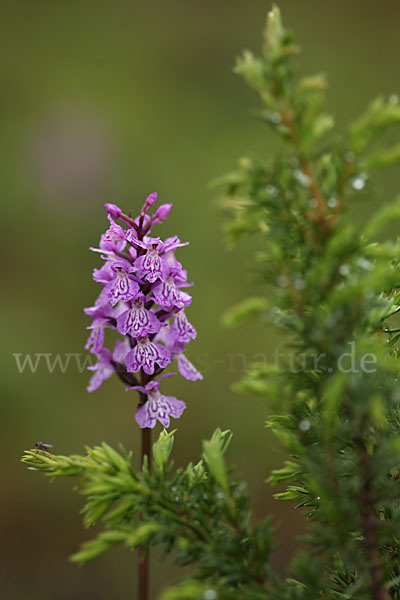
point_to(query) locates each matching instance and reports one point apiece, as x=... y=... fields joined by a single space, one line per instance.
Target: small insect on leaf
x=43 y=446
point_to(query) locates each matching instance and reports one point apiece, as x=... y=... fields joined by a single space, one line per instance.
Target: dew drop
x=363 y=263
x=344 y=270
x=272 y=190
x=299 y=283
x=313 y=202
x=332 y=202
x=304 y=425
x=302 y=178
x=393 y=99
x=282 y=281
x=358 y=183
x=210 y=595
x=274 y=118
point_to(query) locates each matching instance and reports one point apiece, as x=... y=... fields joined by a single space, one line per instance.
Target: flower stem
x=143 y=554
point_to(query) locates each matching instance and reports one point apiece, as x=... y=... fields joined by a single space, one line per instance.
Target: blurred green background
x=107 y=102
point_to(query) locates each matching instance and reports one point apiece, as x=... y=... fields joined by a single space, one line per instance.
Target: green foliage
x=197 y=514
x=333 y=292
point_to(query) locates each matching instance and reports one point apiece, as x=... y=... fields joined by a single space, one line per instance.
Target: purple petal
x=159 y=408
x=162 y=213
x=138 y=321
x=114 y=237
x=173 y=243
x=103 y=298
x=103 y=275
x=94 y=311
x=151 y=266
x=96 y=338
x=121 y=349
x=122 y=288
x=176 y=407
x=145 y=355
x=182 y=330
x=103 y=369
x=150 y=200
x=187 y=369
x=169 y=297
x=113 y=210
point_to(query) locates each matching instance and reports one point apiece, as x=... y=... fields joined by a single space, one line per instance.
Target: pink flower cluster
x=143 y=299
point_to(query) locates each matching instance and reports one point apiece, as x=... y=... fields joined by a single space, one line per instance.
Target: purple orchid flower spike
x=143 y=301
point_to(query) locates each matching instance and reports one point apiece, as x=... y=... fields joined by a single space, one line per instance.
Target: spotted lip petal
x=145 y=355
x=169 y=297
x=137 y=321
x=159 y=408
x=123 y=287
x=151 y=266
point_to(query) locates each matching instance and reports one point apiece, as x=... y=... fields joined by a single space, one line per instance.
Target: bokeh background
x=107 y=102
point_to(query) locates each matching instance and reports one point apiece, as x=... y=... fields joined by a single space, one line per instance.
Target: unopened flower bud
x=162 y=213
x=113 y=210
x=151 y=200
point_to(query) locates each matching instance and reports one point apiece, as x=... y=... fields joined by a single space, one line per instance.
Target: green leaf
x=289 y=471
x=278 y=42
x=246 y=310
x=162 y=448
x=294 y=492
x=93 y=548
x=213 y=452
x=374 y=122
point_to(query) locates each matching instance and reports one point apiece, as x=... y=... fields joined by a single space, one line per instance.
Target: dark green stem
x=143 y=554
